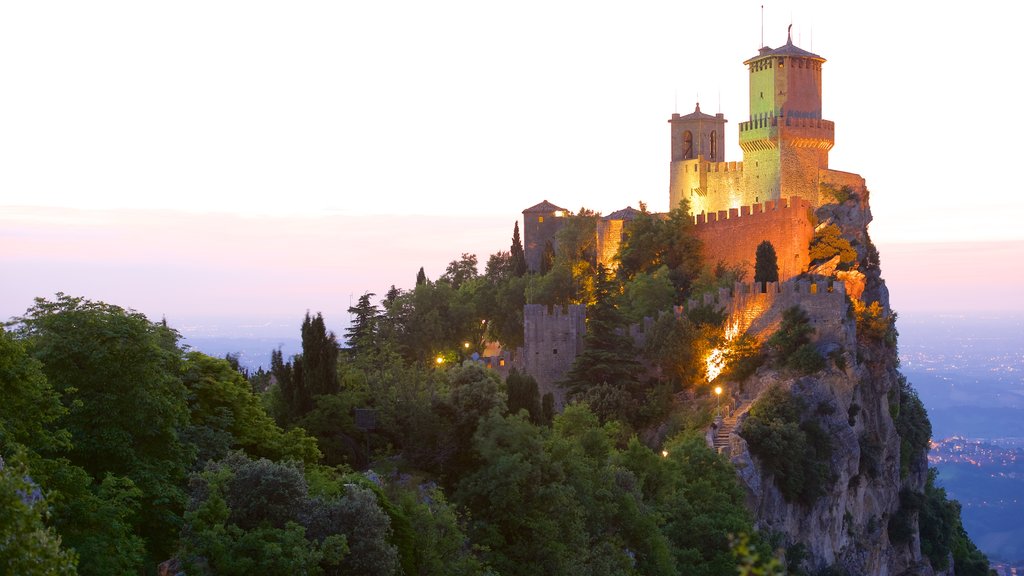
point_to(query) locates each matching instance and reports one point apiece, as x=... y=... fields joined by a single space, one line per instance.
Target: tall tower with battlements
x=785 y=142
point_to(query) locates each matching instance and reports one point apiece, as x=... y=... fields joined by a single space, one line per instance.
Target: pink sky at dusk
x=205 y=270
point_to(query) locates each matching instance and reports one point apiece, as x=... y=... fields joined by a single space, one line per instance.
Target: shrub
x=806 y=359
x=829 y=242
x=796 y=453
x=912 y=425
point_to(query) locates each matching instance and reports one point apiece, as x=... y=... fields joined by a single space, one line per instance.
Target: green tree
x=27 y=545
x=226 y=415
x=523 y=394
x=547 y=257
x=518 y=255
x=766 y=263
x=421 y=277
x=793 y=449
x=247 y=516
x=31 y=409
x=652 y=241
x=703 y=506
x=102 y=359
x=319 y=359
x=649 y=294
x=606 y=373
x=361 y=334
x=499 y=267
x=791 y=343
x=511 y=497
x=460 y=271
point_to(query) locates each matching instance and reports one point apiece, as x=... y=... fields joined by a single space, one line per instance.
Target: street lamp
x=718 y=405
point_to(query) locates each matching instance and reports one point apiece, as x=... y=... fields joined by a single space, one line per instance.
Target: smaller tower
x=696 y=137
x=540 y=225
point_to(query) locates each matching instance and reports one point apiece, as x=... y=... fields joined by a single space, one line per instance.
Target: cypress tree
x=319 y=361
x=766 y=264
x=547 y=258
x=421 y=277
x=518 y=255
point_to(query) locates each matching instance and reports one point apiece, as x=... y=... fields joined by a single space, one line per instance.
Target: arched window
x=687 y=145
x=714 y=145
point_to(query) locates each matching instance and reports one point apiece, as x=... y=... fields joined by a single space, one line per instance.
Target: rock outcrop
x=851 y=401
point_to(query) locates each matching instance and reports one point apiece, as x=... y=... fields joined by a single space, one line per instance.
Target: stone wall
x=553 y=338
x=609 y=238
x=732 y=236
x=759 y=312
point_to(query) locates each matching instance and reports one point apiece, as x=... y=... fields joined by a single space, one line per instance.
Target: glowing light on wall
x=715 y=362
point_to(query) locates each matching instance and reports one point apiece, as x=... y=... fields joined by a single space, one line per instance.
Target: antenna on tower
x=719 y=99
x=762 y=26
x=675 y=102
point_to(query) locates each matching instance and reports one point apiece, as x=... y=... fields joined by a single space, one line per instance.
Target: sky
x=228 y=161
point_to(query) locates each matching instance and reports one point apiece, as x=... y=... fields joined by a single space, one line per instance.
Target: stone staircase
x=726 y=426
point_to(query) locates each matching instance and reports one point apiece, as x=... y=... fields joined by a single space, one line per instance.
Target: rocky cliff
x=850 y=525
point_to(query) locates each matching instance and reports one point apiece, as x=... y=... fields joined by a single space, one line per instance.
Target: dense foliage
x=399 y=453
x=790 y=444
x=791 y=344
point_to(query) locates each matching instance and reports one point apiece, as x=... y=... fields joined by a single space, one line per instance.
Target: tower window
x=540 y=219
x=714 y=144
x=687 y=145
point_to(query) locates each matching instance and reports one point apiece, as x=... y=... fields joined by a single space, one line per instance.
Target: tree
x=547 y=257
x=247 y=516
x=518 y=264
x=361 y=333
x=28 y=546
x=607 y=366
x=319 y=359
x=499 y=267
x=421 y=277
x=766 y=264
x=652 y=241
x=460 y=271
x=649 y=294
x=829 y=242
x=31 y=409
x=102 y=358
x=225 y=415
x=523 y=395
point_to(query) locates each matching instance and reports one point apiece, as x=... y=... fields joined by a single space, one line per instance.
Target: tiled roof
x=545 y=207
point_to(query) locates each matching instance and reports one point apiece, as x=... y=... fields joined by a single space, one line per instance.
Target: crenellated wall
x=732 y=236
x=553 y=337
x=758 y=311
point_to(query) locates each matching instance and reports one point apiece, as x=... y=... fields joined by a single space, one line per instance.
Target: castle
x=736 y=205
x=770 y=195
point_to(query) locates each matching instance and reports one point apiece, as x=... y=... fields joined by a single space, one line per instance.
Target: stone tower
x=541 y=223
x=786 y=142
x=695 y=137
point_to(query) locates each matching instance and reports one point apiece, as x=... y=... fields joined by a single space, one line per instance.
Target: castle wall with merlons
x=757 y=310
x=732 y=236
x=553 y=337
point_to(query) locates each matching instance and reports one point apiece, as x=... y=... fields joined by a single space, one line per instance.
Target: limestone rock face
x=847 y=527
